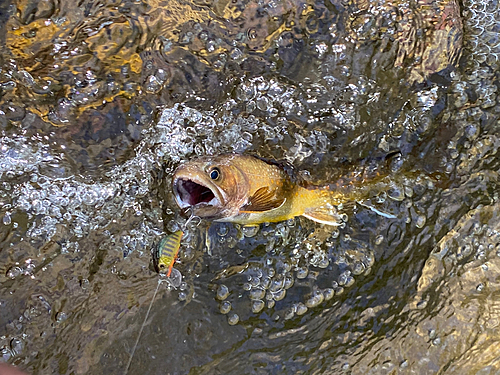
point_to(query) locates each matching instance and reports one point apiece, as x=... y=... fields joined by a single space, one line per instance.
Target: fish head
x=213 y=187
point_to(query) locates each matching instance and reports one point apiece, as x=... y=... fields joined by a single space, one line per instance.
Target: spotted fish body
x=167 y=252
x=247 y=190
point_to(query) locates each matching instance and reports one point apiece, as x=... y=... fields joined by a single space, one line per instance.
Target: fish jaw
x=197 y=192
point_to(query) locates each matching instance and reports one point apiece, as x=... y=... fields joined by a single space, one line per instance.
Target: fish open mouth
x=189 y=193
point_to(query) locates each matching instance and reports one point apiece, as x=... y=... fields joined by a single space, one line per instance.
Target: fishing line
x=142 y=327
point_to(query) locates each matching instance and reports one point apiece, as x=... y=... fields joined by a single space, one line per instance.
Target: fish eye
x=215 y=173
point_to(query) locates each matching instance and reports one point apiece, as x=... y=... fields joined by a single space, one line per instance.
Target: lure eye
x=162 y=266
x=215 y=173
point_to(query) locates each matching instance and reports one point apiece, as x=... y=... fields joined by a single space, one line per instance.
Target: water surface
x=100 y=101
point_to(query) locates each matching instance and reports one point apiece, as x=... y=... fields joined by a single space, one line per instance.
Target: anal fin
x=324 y=214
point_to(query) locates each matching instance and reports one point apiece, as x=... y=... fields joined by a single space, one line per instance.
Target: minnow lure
x=167 y=252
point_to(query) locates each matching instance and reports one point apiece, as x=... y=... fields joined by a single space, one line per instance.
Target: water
x=99 y=103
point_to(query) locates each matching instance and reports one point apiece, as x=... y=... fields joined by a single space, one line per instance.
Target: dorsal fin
x=324 y=215
x=264 y=199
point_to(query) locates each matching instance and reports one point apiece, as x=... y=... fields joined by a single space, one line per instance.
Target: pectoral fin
x=263 y=199
x=323 y=215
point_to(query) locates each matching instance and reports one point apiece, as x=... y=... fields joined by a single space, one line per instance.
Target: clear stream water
x=101 y=100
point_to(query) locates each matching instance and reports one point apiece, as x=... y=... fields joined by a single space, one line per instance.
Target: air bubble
x=263 y=103
x=277 y=284
x=254 y=281
x=345 y=279
x=7 y=219
x=301 y=309
x=302 y=273
x=223 y=230
x=381 y=198
x=225 y=307
x=17 y=346
x=233 y=319
x=323 y=263
x=250 y=230
x=289 y=314
x=289 y=281
x=222 y=292
x=257 y=306
x=328 y=293
x=420 y=222
x=266 y=281
x=279 y=295
x=257 y=293
x=396 y=194
x=153 y=85
x=5 y=354
x=316 y=299
x=358 y=269
x=61 y=317
x=14 y=272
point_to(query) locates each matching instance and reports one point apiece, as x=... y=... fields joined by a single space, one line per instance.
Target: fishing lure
x=167 y=252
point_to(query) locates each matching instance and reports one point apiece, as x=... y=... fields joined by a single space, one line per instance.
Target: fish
x=248 y=190
x=167 y=252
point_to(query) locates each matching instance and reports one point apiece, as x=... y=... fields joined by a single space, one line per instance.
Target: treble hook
x=191 y=218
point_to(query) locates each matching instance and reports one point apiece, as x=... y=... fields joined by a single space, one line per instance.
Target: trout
x=247 y=190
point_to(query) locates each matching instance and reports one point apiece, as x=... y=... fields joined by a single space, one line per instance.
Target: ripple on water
x=317 y=85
